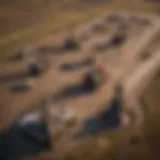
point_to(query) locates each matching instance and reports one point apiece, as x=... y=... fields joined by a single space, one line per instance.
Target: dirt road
x=130 y=72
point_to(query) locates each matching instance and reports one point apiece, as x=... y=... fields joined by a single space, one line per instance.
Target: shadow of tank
x=28 y=135
x=70 y=43
x=76 y=65
x=91 y=80
x=108 y=119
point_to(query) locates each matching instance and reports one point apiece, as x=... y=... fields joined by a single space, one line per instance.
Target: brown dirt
x=119 y=62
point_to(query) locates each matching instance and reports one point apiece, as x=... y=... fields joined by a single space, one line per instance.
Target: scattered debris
x=140 y=20
x=133 y=18
x=18 y=56
x=33 y=67
x=145 y=56
x=123 y=27
x=101 y=47
x=90 y=60
x=99 y=27
x=144 y=21
x=92 y=79
x=22 y=87
x=76 y=65
x=32 y=117
x=118 y=40
x=113 y=18
x=44 y=49
x=13 y=76
x=115 y=41
x=47 y=49
x=70 y=43
x=61 y=114
x=59 y=117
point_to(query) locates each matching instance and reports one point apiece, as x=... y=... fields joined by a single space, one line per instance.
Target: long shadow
x=13 y=76
x=116 y=41
x=74 y=90
x=106 y=120
x=19 y=88
x=22 y=140
x=75 y=65
x=68 y=45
